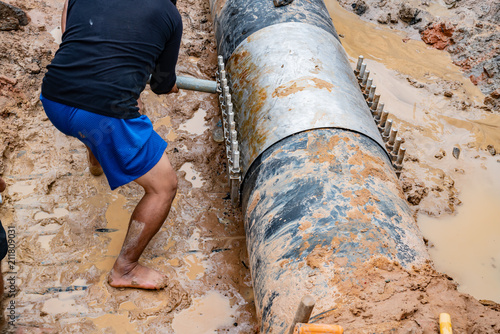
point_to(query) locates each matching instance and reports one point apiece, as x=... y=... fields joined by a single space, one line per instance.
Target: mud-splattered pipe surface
x=319 y=192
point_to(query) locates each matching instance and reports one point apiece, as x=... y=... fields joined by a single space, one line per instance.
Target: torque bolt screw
x=358 y=65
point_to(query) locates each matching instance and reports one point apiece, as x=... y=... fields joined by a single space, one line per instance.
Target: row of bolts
x=228 y=123
x=380 y=116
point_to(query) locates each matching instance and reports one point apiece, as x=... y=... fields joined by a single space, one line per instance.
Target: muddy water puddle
x=411 y=79
x=192 y=175
x=66 y=301
x=467 y=245
x=196 y=125
x=207 y=314
x=57 y=35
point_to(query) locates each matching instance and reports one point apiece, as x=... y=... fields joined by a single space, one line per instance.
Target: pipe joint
x=230 y=132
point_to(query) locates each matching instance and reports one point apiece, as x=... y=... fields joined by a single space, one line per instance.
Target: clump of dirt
x=439 y=35
x=433 y=199
x=409 y=14
x=11 y=17
x=359 y=7
x=493 y=99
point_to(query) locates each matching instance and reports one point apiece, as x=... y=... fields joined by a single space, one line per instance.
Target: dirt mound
x=385 y=298
x=11 y=18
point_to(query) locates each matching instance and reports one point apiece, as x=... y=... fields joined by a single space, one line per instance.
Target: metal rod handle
x=200 y=85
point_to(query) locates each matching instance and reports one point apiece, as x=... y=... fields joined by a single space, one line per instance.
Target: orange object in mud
x=318 y=329
x=445 y=323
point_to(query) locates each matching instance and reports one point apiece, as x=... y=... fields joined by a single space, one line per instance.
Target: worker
x=91 y=91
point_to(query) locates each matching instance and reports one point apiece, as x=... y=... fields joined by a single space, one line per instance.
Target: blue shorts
x=126 y=148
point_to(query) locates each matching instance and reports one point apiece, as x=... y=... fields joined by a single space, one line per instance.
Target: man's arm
x=63 y=17
x=163 y=77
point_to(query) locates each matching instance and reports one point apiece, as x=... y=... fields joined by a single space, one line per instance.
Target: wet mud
x=70 y=227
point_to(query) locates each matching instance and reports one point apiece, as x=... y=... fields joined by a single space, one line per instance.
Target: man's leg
x=94 y=165
x=160 y=184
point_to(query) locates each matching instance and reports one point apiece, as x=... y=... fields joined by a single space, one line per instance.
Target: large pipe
x=317 y=205
x=319 y=193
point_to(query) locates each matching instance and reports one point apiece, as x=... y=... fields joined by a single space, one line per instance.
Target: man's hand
x=174 y=89
x=2 y=185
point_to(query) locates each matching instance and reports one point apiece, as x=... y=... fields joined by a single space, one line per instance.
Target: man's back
x=107 y=52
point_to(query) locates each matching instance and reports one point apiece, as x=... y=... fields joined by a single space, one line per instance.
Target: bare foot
x=140 y=277
x=94 y=165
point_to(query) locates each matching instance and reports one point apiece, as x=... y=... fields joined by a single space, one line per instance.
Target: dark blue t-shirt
x=108 y=51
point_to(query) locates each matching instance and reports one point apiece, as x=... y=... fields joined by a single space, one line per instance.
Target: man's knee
x=165 y=184
x=161 y=180
x=171 y=182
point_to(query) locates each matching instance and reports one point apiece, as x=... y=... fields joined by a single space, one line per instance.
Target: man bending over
x=91 y=91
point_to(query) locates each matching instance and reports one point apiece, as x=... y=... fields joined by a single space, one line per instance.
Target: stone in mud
x=491 y=68
x=440 y=155
x=492 y=101
x=33 y=68
x=420 y=191
x=491 y=304
x=495 y=94
x=407 y=186
x=476 y=79
x=409 y=14
x=451 y=3
x=393 y=17
x=448 y=93
x=415 y=83
x=384 y=18
x=491 y=149
x=359 y=7
x=11 y=18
